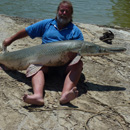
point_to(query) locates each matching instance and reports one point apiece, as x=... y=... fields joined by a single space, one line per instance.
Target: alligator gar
x=52 y=54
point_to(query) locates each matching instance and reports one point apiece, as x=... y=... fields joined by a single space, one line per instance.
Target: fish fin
x=32 y=69
x=75 y=60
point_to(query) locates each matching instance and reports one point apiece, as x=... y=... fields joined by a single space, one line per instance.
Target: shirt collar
x=69 y=26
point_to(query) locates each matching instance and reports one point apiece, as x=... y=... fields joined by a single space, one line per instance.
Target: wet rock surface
x=104 y=87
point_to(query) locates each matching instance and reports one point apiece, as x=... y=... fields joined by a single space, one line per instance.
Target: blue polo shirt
x=48 y=30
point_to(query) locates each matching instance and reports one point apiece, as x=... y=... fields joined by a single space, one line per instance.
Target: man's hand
x=18 y=35
x=6 y=43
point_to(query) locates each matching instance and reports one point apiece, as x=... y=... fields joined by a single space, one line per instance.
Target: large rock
x=104 y=87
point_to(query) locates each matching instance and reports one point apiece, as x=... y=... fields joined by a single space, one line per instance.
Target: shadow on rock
x=35 y=108
x=54 y=82
x=96 y=87
x=19 y=76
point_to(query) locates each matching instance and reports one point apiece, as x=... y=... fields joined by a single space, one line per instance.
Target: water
x=101 y=12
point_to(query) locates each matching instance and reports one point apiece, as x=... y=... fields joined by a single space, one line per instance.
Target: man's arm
x=18 y=35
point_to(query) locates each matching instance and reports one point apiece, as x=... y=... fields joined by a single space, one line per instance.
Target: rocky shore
x=104 y=87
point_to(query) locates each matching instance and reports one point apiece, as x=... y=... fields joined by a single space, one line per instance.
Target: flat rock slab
x=104 y=87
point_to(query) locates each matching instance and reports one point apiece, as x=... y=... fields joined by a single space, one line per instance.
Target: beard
x=63 y=21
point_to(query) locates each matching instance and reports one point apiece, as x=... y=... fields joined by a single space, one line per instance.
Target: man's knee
x=76 y=67
x=79 y=65
x=44 y=69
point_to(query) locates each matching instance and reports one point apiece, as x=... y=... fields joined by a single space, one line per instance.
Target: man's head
x=64 y=12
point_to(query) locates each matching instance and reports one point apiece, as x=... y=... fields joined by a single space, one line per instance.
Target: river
x=100 y=12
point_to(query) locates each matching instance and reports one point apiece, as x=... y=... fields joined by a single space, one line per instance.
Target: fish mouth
x=114 y=50
x=118 y=49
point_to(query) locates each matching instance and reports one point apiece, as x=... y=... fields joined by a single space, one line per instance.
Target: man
x=52 y=30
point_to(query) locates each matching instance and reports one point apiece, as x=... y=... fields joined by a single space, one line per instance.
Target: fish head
x=91 y=49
